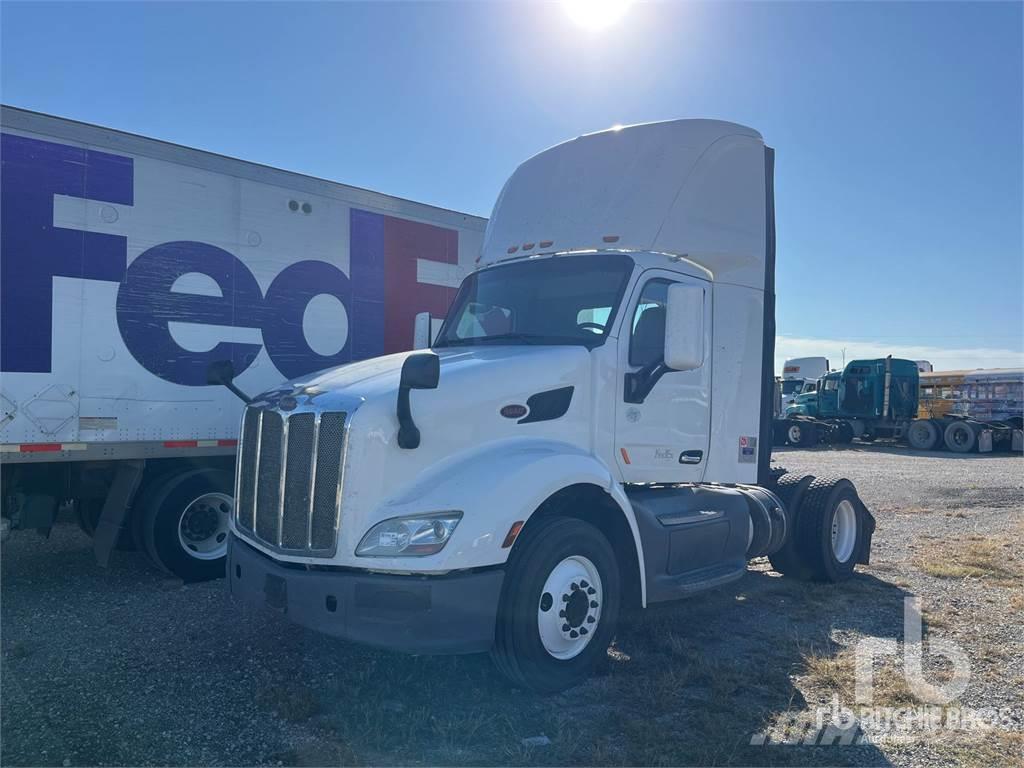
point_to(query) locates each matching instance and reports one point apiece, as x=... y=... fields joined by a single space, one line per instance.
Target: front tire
x=559 y=605
x=184 y=523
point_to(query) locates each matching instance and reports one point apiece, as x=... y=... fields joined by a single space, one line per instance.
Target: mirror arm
x=640 y=383
x=237 y=392
x=408 y=432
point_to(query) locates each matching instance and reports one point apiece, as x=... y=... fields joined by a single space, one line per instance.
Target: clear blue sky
x=898 y=127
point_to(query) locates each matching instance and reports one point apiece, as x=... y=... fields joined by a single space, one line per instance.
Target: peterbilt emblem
x=514 y=411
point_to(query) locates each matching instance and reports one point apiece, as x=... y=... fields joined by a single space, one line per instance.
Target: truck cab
x=589 y=430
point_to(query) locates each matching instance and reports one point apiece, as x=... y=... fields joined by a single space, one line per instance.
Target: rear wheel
x=790 y=489
x=922 y=434
x=184 y=523
x=829 y=528
x=960 y=437
x=559 y=605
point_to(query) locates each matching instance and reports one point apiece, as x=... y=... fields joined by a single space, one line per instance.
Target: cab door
x=664 y=438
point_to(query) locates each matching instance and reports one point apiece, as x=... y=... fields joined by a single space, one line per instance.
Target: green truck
x=878 y=399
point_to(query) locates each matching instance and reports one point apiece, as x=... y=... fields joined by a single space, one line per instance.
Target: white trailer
x=128 y=265
x=590 y=430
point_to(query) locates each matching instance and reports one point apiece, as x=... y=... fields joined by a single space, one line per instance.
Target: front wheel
x=559 y=605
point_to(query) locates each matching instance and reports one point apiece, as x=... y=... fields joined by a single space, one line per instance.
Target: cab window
x=647 y=336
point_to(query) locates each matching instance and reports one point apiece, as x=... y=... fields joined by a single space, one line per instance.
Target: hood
x=493 y=369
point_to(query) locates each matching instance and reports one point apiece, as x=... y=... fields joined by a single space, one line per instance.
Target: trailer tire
x=557 y=561
x=184 y=523
x=790 y=489
x=960 y=436
x=923 y=434
x=830 y=530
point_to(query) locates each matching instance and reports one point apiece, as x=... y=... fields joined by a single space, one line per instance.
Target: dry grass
x=992 y=559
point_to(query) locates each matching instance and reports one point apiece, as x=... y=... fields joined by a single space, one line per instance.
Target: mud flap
x=115 y=507
x=863 y=556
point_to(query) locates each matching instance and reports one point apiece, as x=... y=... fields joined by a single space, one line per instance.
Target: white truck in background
x=590 y=430
x=801 y=374
x=127 y=265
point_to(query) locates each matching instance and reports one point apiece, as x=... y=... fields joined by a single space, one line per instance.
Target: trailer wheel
x=922 y=434
x=830 y=529
x=88 y=512
x=803 y=435
x=790 y=489
x=559 y=605
x=184 y=523
x=960 y=437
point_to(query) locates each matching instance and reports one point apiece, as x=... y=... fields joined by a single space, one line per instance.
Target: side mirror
x=684 y=327
x=222 y=372
x=419 y=371
x=421 y=331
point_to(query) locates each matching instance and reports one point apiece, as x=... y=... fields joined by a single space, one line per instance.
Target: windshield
x=558 y=300
x=792 y=386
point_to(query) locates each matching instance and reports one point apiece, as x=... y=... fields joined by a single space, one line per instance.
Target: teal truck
x=879 y=399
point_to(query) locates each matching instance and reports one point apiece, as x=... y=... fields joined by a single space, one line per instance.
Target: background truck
x=127 y=265
x=886 y=398
x=590 y=430
x=801 y=374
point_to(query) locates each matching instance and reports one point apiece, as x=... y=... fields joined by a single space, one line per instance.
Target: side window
x=647 y=339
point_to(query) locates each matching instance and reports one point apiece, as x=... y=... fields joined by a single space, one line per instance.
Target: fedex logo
x=381 y=293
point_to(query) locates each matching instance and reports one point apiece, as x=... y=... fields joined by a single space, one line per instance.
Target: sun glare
x=596 y=15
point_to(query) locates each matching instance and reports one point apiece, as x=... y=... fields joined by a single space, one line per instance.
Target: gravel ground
x=126 y=667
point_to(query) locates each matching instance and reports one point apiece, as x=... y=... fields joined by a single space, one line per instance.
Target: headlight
x=414 y=536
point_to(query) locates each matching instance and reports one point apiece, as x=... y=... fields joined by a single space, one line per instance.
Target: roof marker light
x=527 y=246
x=513 y=248
x=546 y=243
x=611 y=238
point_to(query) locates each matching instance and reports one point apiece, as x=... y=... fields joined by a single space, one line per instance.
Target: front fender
x=495 y=486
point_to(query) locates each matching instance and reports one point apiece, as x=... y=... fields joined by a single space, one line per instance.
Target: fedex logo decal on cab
x=381 y=294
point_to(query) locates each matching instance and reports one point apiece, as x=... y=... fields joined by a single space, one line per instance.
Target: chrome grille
x=289 y=472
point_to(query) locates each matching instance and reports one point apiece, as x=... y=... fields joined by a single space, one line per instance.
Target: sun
x=596 y=15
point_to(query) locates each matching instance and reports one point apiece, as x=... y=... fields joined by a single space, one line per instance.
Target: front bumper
x=455 y=613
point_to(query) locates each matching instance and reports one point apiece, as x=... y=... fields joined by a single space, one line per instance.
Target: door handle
x=691 y=457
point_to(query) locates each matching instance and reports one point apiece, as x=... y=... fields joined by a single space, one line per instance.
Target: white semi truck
x=590 y=430
x=127 y=265
x=801 y=374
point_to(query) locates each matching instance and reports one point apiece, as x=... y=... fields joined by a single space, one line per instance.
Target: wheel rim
x=203 y=526
x=569 y=608
x=844 y=530
x=794 y=434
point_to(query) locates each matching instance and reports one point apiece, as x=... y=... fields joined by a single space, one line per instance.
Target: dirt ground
x=126 y=667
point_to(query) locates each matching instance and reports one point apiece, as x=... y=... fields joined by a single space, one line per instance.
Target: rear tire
x=960 y=437
x=829 y=530
x=184 y=523
x=549 y=634
x=790 y=489
x=923 y=434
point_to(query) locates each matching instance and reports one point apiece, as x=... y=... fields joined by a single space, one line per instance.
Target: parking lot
x=126 y=667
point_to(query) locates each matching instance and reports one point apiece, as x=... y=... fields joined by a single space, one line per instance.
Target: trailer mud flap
x=119 y=497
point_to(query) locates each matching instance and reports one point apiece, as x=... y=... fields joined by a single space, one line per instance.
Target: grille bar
x=289 y=480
